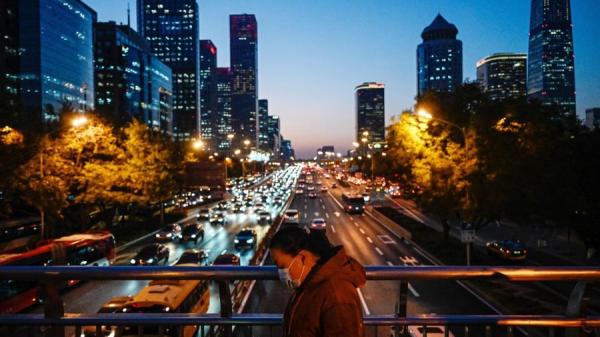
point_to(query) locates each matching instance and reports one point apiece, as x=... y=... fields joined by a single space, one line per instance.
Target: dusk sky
x=312 y=53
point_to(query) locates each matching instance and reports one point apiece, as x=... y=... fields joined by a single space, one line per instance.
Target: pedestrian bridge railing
x=55 y=322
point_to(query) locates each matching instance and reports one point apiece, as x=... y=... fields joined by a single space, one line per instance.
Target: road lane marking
x=389 y=263
x=369 y=239
x=333 y=228
x=323 y=207
x=379 y=251
x=223 y=252
x=386 y=239
x=409 y=260
x=327 y=215
x=362 y=301
x=351 y=218
x=410 y=287
x=361 y=230
x=316 y=213
x=337 y=214
x=355 y=224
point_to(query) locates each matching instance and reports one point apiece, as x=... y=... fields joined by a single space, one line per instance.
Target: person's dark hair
x=291 y=240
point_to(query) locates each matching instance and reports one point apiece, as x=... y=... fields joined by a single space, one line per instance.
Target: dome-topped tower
x=439 y=57
x=440 y=28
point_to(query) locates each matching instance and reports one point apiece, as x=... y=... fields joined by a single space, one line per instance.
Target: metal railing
x=573 y=323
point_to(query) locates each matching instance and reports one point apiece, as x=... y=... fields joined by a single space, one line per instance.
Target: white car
x=432 y=331
x=291 y=216
x=318 y=224
x=299 y=191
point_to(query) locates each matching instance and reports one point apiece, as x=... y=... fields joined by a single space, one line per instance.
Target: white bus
x=168 y=296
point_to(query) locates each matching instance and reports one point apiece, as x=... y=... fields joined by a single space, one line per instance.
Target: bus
x=353 y=203
x=168 y=296
x=15 y=234
x=94 y=249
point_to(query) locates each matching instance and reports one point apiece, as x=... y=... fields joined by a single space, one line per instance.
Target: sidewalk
x=547 y=246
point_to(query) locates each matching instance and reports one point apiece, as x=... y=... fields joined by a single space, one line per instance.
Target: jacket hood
x=340 y=267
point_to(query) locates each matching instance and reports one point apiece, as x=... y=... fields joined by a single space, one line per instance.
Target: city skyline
x=332 y=62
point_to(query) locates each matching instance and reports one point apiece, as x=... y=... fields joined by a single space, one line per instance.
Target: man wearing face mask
x=325 y=301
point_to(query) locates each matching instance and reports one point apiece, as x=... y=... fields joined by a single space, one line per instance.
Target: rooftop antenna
x=128 y=15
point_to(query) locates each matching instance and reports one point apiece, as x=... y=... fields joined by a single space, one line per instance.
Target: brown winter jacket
x=327 y=303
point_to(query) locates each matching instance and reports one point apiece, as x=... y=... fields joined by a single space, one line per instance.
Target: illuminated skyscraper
x=223 y=82
x=551 y=68
x=171 y=27
x=244 y=82
x=439 y=58
x=503 y=75
x=263 y=124
x=208 y=93
x=370 y=111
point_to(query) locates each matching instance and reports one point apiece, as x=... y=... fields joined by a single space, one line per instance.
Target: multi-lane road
x=372 y=243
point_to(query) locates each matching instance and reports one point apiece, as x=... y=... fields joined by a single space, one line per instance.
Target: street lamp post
x=424 y=114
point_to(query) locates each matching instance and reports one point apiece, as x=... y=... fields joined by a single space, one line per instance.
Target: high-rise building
x=223 y=81
x=46 y=62
x=439 y=58
x=551 y=64
x=274 y=135
x=287 y=151
x=370 y=111
x=171 y=27
x=503 y=75
x=263 y=124
x=130 y=82
x=244 y=83
x=208 y=93
x=592 y=118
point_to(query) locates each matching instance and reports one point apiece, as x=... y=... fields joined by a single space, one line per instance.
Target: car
x=312 y=195
x=193 y=256
x=169 y=233
x=510 y=250
x=299 y=191
x=114 y=305
x=203 y=215
x=291 y=216
x=310 y=188
x=263 y=216
x=324 y=189
x=151 y=255
x=333 y=185
x=245 y=239
x=193 y=231
x=218 y=218
x=432 y=331
x=239 y=208
x=318 y=224
x=227 y=260
x=366 y=197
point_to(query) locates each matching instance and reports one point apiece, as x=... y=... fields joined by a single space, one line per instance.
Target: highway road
x=371 y=243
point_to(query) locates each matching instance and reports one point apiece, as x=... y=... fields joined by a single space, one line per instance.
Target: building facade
x=592 y=118
x=263 y=124
x=47 y=60
x=171 y=28
x=130 y=82
x=274 y=135
x=370 y=111
x=223 y=82
x=551 y=64
x=439 y=58
x=244 y=82
x=503 y=75
x=208 y=93
x=287 y=151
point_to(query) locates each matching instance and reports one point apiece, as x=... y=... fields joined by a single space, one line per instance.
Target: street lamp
x=237 y=152
x=246 y=142
x=428 y=116
x=79 y=121
x=198 y=144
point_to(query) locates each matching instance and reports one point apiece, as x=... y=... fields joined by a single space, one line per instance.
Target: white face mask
x=286 y=277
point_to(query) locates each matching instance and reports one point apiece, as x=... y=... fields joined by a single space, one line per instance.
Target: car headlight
x=193 y=236
x=157 y=235
x=150 y=260
x=250 y=241
x=169 y=235
x=132 y=261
